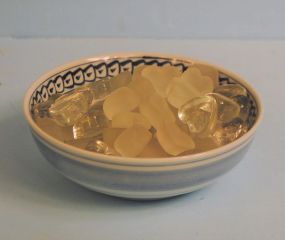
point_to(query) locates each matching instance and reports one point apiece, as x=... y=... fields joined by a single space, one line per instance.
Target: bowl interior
x=73 y=76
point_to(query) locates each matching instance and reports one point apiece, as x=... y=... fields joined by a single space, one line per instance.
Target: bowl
x=134 y=178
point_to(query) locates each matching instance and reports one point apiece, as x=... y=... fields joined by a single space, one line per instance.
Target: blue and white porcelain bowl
x=136 y=178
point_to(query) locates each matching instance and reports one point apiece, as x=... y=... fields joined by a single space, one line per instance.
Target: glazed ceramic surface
x=137 y=178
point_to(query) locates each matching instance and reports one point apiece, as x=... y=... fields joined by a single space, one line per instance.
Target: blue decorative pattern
x=79 y=75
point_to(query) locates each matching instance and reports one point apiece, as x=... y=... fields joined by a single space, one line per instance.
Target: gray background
x=143 y=18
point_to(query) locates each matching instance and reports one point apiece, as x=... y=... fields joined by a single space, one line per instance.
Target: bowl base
x=140 y=195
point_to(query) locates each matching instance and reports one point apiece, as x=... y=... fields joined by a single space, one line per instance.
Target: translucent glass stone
x=156 y=110
x=239 y=95
x=132 y=141
x=229 y=132
x=200 y=114
x=90 y=125
x=190 y=85
x=141 y=85
x=96 y=106
x=153 y=150
x=231 y=90
x=42 y=109
x=228 y=109
x=123 y=99
x=209 y=71
x=50 y=127
x=244 y=104
x=172 y=139
x=67 y=109
x=160 y=77
x=99 y=146
x=100 y=88
x=121 y=80
x=129 y=119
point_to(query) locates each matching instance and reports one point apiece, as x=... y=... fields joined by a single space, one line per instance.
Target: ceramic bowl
x=135 y=178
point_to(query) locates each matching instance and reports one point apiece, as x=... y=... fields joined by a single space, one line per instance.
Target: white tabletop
x=37 y=203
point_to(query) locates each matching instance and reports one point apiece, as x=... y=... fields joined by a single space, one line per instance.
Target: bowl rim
x=90 y=157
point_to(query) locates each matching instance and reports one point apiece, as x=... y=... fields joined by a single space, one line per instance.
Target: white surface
x=36 y=203
x=147 y=18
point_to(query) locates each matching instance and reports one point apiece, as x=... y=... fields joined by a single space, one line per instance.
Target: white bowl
x=136 y=178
